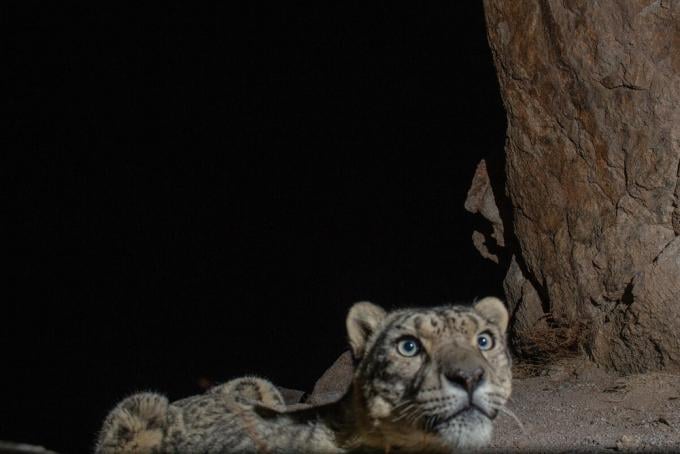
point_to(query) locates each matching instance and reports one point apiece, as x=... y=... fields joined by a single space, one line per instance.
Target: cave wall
x=585 y=217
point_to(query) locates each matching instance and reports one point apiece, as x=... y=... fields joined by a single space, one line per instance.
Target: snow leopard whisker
x=512 y=414
x=404 y=414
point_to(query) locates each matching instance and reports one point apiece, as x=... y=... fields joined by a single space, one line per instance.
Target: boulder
x=588 y=206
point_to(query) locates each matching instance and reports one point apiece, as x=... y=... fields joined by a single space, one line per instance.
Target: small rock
x=334 y=382
x=627 y=443
x=22 y=448
x=663 y=420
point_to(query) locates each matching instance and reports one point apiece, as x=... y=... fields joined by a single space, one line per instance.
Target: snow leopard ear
x=363 y=319
x=494 y=310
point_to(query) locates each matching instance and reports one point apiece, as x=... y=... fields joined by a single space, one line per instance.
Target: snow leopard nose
x=466 y=379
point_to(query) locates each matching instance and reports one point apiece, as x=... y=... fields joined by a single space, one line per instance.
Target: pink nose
x=466 y=379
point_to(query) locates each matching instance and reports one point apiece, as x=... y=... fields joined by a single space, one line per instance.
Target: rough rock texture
x=590 y=213
x=335 y=382
x=332 y=385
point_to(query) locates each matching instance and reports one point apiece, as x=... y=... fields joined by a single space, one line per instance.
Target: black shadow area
x=204 y=191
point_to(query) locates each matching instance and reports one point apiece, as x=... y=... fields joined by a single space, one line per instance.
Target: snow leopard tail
x=136 y=424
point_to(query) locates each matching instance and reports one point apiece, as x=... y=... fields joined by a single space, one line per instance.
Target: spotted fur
x=444 y=398
x=441 y=399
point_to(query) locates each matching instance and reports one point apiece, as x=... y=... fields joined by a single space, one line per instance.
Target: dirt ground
x=575 y=406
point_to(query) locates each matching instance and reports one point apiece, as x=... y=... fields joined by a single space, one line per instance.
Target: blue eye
x=485 y=341
x=408 y=346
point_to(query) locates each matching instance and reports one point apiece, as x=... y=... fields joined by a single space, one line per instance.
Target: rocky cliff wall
x=586 y=218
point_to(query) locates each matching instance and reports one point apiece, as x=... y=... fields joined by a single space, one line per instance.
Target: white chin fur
x=469 y=432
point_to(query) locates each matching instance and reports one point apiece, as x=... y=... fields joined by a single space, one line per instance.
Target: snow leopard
x=425 y=380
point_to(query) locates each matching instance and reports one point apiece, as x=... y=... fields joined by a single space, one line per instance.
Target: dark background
x=203 y=191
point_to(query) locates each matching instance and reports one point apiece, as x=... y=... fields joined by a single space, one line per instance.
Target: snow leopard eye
x=408 y=346
x=485 y=341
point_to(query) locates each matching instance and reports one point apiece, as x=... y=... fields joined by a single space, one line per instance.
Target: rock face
x=586 y=217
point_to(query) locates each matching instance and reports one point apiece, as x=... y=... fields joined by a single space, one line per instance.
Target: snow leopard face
x=430 y=378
